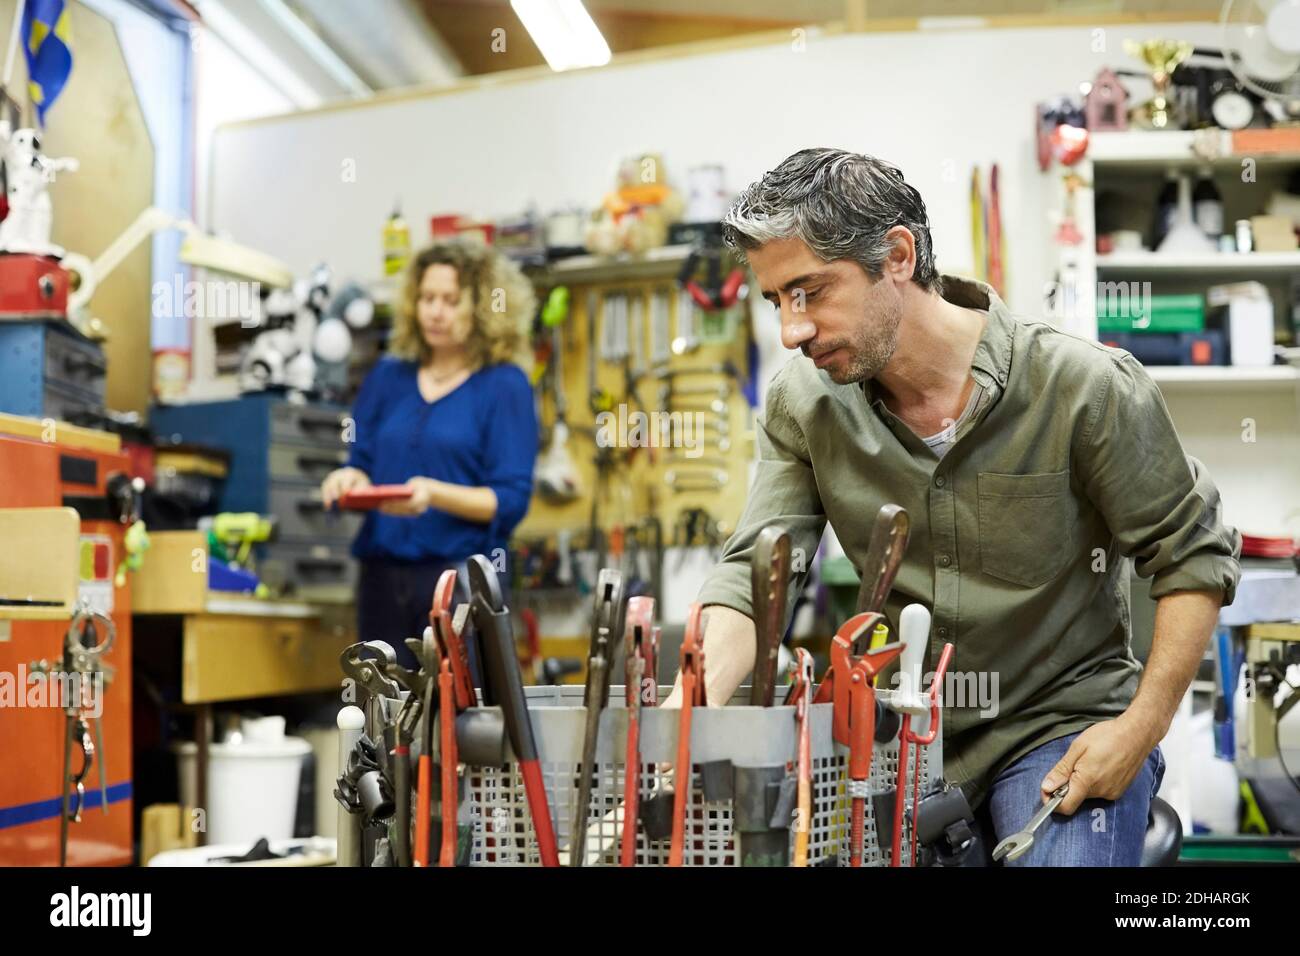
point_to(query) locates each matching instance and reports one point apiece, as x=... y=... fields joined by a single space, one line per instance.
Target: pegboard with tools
x=649 y=392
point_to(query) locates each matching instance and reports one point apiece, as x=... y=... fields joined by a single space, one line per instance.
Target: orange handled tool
x=692 y=696
x=850 y=685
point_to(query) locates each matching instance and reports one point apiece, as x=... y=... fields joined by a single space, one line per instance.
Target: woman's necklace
x=434 y=386
x=435 y=379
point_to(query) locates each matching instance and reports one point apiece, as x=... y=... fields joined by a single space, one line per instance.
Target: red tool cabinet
x=74 y=473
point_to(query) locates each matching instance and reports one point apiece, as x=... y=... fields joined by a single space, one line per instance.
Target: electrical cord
x=1290 y=701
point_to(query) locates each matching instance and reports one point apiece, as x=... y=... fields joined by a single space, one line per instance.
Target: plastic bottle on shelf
x=1207 y=205
x=1166 y=207
x=397 y=243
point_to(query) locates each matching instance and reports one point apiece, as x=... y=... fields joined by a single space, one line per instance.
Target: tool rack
x=494 y=805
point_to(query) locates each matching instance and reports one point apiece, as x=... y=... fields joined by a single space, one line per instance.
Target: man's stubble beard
x=874 y=349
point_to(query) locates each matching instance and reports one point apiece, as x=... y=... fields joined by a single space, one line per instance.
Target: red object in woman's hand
x=369 y=498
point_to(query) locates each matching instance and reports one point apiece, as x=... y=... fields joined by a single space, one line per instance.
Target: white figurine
x=27 y=227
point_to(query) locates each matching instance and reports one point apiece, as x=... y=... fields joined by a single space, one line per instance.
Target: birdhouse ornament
x=1106 y=105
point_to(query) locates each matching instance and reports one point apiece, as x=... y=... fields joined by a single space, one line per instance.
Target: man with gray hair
x=1036 y=467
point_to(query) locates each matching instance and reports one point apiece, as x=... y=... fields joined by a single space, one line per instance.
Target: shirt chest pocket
x=1027 y=526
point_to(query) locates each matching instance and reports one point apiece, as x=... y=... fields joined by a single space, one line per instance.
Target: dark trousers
x=393 y=602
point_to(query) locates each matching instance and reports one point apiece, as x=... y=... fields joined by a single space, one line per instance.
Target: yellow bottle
x=397 y=243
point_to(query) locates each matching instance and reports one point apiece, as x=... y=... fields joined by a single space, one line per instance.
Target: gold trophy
x=1162 y=57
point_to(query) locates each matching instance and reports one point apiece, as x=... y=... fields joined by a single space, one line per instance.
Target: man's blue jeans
x=1100 y=833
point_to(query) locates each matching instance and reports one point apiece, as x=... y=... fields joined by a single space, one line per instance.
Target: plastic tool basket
x=746 y=736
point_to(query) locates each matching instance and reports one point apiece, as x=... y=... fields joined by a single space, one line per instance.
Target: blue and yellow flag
x=47 y=45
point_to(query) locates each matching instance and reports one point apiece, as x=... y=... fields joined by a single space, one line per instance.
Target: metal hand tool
x=416 y=684
x=624 y=317
x=672 y=390
x=595 y=397
x=702 y=485
x=709 y=423
x=640 y=638
x=693 y=695
x=455 y=695
x=636 y=335
x=860 y=723
x=607 y=625
x=828 y=690
x=365 y=665
x=727 y=368
x=686 y=340
x=1018 y=844
x=716 y=407
x=503 y=686
x=606 y=328
x=660 y=337
x=907 y=736
x=447 y=630
x=715 y=476
x=424 y=771
x=885 y=551
x=801 y=677
x=769 y=582
x=705 y=461
x=82 y=661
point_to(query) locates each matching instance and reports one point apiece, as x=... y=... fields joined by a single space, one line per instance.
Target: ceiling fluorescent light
x=564 y=31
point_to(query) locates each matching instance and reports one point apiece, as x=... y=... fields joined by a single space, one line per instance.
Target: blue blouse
x=481 y=434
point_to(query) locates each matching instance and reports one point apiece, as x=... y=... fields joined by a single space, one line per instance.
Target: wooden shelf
x=1222 y=263
x=660 y=263
x=1175 y=148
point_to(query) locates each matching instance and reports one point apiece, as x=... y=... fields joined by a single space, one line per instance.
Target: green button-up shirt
x=1022 y=534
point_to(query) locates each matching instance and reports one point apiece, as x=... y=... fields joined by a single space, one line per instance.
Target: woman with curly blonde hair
x=448 y=413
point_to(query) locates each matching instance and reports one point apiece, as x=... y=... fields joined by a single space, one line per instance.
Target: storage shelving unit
x=1131 y=166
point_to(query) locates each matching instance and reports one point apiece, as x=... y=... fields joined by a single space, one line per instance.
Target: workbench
x=231 y=646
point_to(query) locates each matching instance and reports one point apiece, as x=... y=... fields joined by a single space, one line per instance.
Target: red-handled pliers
x=693 y=695
x=849 y=684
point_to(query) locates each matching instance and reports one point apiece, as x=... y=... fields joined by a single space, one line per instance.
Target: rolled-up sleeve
x=1158 y=502
x=784 y=493
x=510 y=448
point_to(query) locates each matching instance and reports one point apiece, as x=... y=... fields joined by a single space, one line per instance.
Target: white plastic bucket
x=252 y=787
